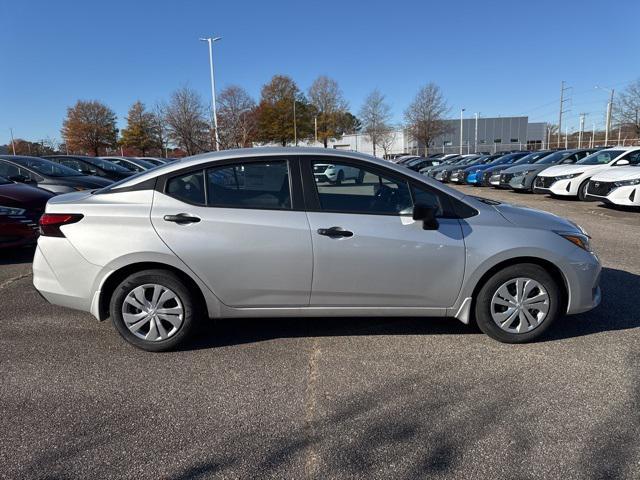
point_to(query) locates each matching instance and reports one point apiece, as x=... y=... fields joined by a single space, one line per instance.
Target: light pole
x=13 y=145
x=476 y=134
x=210 y=41
x=461 y=112
x=609 y=109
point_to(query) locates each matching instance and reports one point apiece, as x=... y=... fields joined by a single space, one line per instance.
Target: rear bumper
x=62 y=276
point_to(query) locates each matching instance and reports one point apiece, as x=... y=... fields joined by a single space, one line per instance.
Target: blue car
x=473 y=175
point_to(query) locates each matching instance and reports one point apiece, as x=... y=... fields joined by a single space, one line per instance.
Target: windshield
x=555 y=157
x=601 y=158
x=46 y=167
x=531 y=158
x=104 y=164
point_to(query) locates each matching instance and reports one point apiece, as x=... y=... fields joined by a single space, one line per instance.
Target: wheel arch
x=549 y=266
x=114 y=278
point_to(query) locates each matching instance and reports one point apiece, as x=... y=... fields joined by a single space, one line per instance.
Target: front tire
x=518 y=303
x=340 y=178
x=153 y=310
x=582 y=191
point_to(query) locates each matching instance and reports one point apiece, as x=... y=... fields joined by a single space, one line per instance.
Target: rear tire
x=160 y=310
x=510 y=307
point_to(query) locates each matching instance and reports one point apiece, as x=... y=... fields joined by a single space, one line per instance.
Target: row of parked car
x=27 y=183
x=610 y=175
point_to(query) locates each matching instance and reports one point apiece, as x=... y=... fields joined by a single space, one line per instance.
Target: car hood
x=532 y=218
x=557 y=170
x=16 y=194
x=618 y=173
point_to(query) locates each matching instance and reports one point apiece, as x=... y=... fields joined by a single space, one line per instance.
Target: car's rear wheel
x=517 y=304
x=153 y=310
x=360 y=177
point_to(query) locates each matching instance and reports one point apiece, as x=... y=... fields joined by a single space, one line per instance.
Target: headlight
x=581 y=240
x=625 y=183
x=567 y=177
x=79 y=188
x=11 y=210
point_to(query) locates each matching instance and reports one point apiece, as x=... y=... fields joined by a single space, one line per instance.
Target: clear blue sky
x=497 y=58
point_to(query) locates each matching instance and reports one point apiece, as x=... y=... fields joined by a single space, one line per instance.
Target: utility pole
x=581 y=133
x=315 y=128
x=210 y=41
x=461 y=126
x=566 y=137
x=13 y=145
x=561 y=108
x=295 y=125
x=609 y=109
x=476 y=134
x=593 y=136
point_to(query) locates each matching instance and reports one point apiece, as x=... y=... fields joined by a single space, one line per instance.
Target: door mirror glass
x=622 y=163
x=569 y=160
x=428 y=214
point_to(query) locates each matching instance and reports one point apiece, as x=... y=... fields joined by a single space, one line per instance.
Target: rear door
x=241 y=228
x=368 y=250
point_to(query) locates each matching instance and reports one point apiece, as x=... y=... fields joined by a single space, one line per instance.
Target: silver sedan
x=251 y=233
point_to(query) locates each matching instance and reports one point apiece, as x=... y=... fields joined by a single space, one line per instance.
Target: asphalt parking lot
x=329 y=398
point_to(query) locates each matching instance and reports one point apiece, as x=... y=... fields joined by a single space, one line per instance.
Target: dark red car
x=20 y=209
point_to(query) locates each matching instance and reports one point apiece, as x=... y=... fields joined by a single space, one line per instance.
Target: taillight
x=50 y=223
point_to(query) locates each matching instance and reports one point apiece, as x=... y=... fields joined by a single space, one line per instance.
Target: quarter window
x=250 y=185
x=348 y=188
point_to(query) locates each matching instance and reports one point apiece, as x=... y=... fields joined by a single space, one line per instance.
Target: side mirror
x=622 y=163
x=427 y=214
x=568 y=160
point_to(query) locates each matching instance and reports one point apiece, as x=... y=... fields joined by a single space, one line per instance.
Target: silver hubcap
x=152 y=312
x=520 y=305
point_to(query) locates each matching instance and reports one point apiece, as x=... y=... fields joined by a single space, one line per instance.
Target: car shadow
x=618 y=310
x=620 y=289
x=14 y=256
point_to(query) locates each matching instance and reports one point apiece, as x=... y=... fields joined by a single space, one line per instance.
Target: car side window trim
x=295 y=182
x=312 y=200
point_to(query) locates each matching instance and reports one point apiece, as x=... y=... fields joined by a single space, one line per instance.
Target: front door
x=235 y=227
x=368 y=251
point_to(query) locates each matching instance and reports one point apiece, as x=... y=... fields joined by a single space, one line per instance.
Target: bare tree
x=187 y=122
x=387 y=139
x=374 y=115
x=425 y=115
x=330 y=106
x=237 y=119
x=628 y=109
x=160 y=126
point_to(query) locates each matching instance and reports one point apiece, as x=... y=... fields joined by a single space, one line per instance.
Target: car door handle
x=181 y=218
x=335 y=232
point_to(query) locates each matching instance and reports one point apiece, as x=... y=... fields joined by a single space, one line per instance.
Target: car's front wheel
x=153 y=310
x=582 y=191
x=517 y=304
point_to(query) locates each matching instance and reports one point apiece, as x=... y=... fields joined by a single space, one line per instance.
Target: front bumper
x=521 y=183
x=17 y=231
x=583 y=277
x=624 y=196
x=326 y=176
x=561 y=188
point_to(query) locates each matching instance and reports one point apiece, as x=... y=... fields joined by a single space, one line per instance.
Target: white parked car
x=324 y=172
x=619 y=187
x=572 y=180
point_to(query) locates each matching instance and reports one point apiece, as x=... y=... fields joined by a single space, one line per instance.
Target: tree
x=25 y=147
x=237 y=119
x=278 y=100
x=628 y=109
x=375 y=115
x=90 y=127
x=425 y=115
x=187 y=122
x=387 y=139
x=160 y=126
x=140 y=132
x=330 y=107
